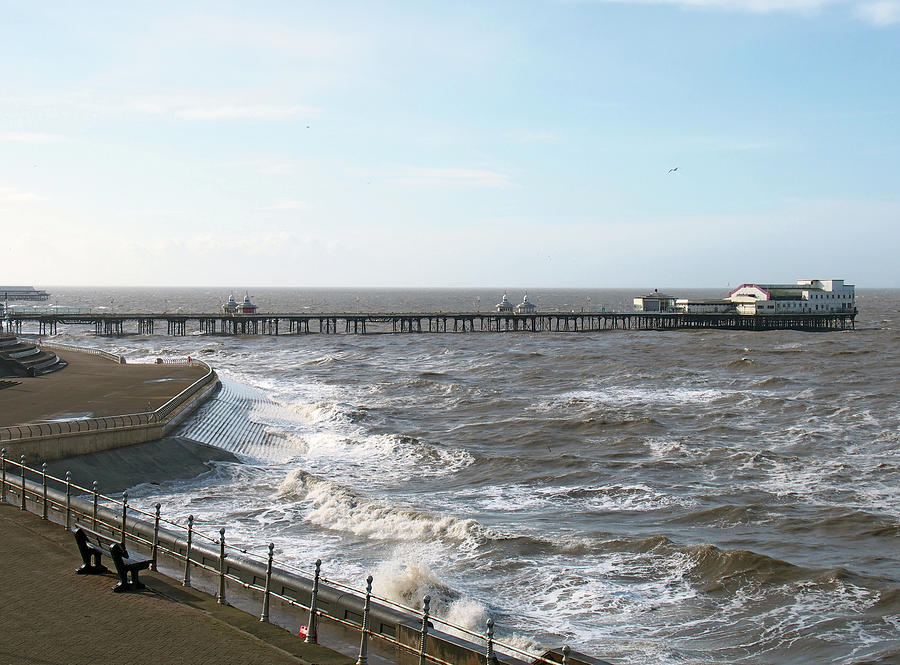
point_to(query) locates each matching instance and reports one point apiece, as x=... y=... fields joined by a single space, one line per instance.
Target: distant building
x=22 y=293
x=686 y=306
x=247 y=307
x=655 y=302
x=808 y=296
x=231 y=306
x=526 y=306
x=505 y=306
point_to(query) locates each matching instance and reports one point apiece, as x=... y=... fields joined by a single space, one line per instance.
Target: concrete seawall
x=111 y=406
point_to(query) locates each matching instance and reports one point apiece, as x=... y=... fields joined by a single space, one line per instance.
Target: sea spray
x=339 y=508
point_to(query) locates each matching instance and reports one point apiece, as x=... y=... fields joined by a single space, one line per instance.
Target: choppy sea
x=646 y=497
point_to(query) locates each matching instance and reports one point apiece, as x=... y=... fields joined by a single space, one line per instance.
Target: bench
x=91 y=546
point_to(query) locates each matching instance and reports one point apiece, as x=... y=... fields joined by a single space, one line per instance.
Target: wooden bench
x=93 y=544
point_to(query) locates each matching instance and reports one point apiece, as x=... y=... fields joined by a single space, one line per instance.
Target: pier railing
x=108 y=423
x=185 y=552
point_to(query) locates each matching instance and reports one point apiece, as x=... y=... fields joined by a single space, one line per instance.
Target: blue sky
x=450 y=144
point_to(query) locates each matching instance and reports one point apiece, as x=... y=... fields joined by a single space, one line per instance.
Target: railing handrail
x=65 y=427
x=83 y=349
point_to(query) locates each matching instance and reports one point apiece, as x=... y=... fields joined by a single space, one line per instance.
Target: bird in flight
x=672 y=170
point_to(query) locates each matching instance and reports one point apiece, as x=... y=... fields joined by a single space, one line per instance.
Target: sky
x=450 y=144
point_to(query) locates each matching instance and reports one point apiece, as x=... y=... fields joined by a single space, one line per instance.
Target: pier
x=111 y=324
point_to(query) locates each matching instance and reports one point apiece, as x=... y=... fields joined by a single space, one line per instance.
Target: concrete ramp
x=226 y=422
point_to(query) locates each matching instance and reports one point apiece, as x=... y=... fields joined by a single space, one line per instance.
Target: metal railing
x=188 y=549
x=83 y=349
x=65 y=427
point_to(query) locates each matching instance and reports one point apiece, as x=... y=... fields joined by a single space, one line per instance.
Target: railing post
x=220 y=598
x=94 y=490
x=124 y=515
x=364 y=628
x=23 y=482
x=423 y=641
x=68 y=499
x=44 y=490
x=186 y=580
x=265 y=608
x=155 y=551
x=489 y=658
x=566 y=651
x=312 y=636
x=3 y=471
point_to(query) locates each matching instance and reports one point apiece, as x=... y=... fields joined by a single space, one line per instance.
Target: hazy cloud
x=289 y=205
x=243 y=112
x=430 y=177
x=882 y=13
x=16 y=195
x=879 y=12
x=29 y=137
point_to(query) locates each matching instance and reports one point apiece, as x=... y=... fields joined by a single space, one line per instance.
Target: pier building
x=655 y=302
x=686 y=306
x=526 y=306
x=22 y=293
x=232 y=307
x=505 y=306
x=806 y=296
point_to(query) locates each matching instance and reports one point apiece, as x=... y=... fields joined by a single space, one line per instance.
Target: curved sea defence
x=97 y=404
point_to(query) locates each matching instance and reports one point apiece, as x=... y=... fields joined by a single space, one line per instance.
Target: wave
x=339 y=508
x=724 y=516
x=714 y=569
x=772 y=382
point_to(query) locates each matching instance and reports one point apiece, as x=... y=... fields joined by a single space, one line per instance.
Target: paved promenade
x=92 y=386
x=50 y=616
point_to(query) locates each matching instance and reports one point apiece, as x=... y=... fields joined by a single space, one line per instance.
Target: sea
x=689 y=497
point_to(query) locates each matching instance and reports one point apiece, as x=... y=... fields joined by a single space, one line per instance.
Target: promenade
x=51 y=616
x=92 y=386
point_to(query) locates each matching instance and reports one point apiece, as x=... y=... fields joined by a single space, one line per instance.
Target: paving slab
x=92 y=386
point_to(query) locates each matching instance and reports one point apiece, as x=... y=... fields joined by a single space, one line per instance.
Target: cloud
x=526 y=136
x=289 y=205
x=28 y=137
x=881 y=13
x=430 y=177
x=15 y=195
x=242 y=112
x=182 y=107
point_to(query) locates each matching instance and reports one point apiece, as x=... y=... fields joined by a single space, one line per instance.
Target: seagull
x=672 y=170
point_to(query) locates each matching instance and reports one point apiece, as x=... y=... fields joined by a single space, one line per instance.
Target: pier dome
x=247 y=307
x=526 y=306
x=231 y=306
x=505 y=305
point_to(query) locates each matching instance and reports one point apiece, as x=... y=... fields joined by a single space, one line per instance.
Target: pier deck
x=422 y=322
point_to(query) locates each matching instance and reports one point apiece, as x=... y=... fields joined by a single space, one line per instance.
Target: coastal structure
x=28 y=293
x=232 y=307
x=806 y=296
x=526 y=306
x=22 y=358
x=505 y=306
x=655 y=302
x=808 y=305
x=685 y=306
